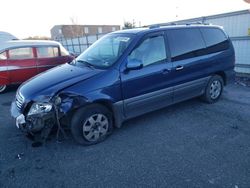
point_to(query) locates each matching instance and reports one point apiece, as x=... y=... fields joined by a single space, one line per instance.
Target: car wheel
x=91 y=124
x=214 y=89
x=2 y=88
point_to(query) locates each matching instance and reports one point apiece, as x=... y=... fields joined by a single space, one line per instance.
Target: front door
x=149 y=87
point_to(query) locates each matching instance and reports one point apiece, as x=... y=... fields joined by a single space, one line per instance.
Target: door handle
x=179 y=68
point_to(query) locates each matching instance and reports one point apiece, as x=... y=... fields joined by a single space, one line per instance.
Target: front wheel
x=91 y=124
x=214 y=89
x=2 y=88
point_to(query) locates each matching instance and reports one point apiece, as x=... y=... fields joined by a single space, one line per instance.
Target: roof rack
x=176 y=23
x=197 y=23
x=189 y=23
x=154 y=26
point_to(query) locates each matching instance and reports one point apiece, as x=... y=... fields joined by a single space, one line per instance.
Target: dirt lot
x=190 y=144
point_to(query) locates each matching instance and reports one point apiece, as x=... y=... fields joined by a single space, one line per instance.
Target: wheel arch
x=115 y=108
x=223 y=75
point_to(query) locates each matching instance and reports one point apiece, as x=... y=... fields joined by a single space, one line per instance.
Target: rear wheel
x=2 y=88
x=214 y=89
x=91 y=124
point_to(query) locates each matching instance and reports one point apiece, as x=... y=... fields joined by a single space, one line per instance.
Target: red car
x=23 y=59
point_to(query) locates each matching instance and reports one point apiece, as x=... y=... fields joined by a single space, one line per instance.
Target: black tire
x=82 y=117
x=212 y=95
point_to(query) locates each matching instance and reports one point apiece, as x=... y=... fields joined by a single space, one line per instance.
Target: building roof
x=236 y=13
x=68 y=25
x=26 y=43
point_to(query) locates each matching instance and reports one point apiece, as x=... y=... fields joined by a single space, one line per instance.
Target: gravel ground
x=190 y=144
x=243 y=81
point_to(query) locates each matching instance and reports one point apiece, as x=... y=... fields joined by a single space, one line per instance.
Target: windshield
x=64 y=52
x=106 y=51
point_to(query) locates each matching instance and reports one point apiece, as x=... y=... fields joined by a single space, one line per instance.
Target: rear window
x=64 y=52
x=45 y=52
x=185 y=43
x=21 y=53
x=215 y=40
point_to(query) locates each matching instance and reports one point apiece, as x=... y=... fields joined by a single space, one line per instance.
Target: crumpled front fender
x=70 y=102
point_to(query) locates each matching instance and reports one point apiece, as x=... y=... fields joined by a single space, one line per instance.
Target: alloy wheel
x=95 y=127
x=215 y=89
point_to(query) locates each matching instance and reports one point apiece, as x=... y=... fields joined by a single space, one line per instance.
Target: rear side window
x=44 y=52
x=185 y=43
x=215 y=40
x=3 y=56
x=21 y=53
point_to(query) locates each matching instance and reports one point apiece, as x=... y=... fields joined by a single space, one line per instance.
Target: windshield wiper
x=86 y=63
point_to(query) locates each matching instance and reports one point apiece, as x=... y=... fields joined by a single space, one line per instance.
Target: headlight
x=38 y=108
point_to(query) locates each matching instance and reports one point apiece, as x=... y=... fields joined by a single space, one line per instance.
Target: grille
x=19 y=100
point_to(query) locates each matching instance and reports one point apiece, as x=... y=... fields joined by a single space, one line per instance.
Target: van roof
x=145 y=30
x=26 y=43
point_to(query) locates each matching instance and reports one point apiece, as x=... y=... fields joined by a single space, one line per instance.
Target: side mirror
x=134 y=64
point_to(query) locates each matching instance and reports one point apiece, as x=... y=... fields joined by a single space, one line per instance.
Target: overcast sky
x=25 y=18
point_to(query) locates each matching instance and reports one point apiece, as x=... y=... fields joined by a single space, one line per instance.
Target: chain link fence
x=79 y=44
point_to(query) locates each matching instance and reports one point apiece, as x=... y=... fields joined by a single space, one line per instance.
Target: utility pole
x=133 y=23
x=176 y=9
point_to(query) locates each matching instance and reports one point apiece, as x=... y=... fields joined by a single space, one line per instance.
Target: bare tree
x=76 y=30
x=128 y=25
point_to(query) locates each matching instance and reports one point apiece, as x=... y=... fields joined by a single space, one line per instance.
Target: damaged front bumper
x=38 y=118
x=36 y=126
x=35 y=122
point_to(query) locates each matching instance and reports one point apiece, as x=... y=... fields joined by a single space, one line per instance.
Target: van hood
x=47 y=84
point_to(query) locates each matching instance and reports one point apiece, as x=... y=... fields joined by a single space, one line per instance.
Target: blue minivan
x=125 y=74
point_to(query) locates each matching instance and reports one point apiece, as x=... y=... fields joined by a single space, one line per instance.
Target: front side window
x=3 y=56
x=104 y=52
x=21 y=53
x=46 y=52
x=185 y=43
x=151 y=50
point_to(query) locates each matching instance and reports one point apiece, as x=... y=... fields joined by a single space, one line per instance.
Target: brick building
x=72 y=31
